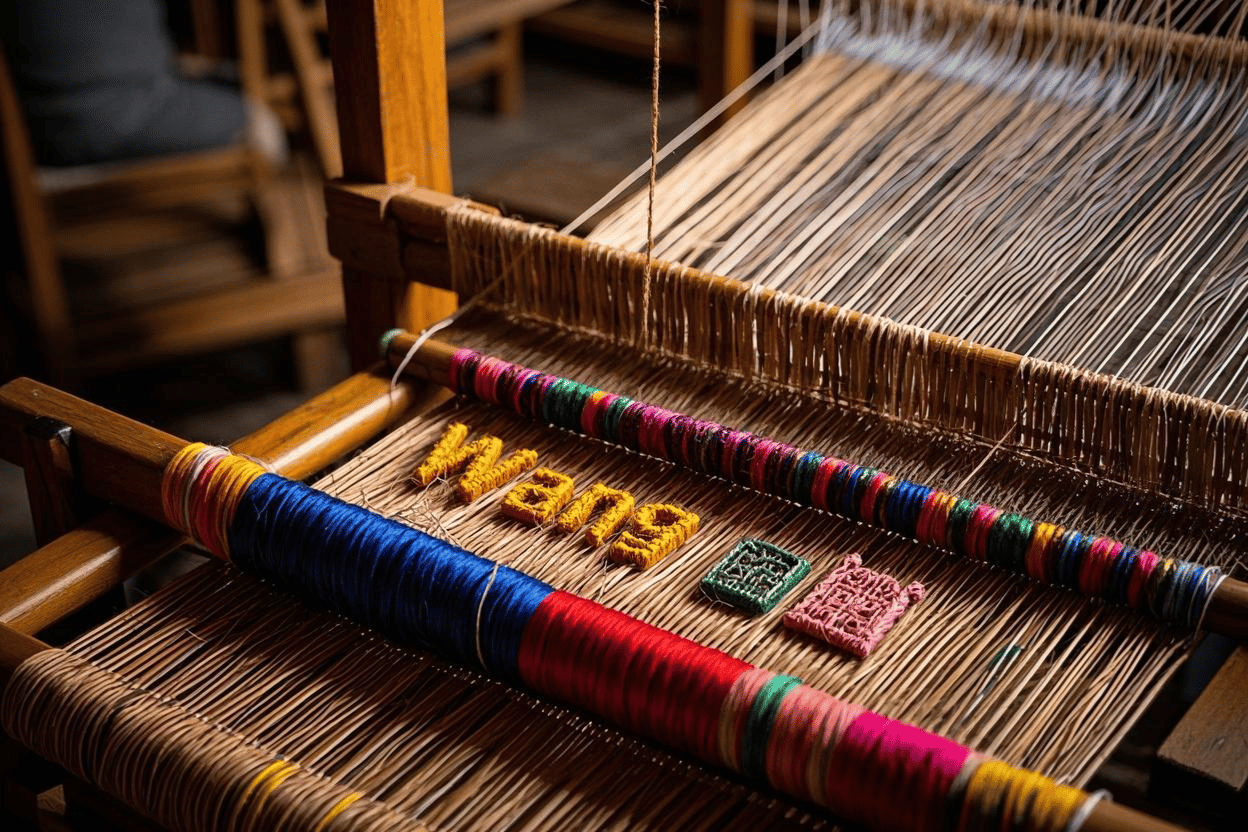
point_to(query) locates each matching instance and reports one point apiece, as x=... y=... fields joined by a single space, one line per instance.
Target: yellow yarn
x=1002 y=797
x=339 y=807
x=204 y=506
x=231 y=479
x=616 y=507
x=537 y=501
x=655 y=532
x=479 y=461
x=272 y=776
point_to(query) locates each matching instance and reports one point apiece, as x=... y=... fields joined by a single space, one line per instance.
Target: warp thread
x=1173 y=590
x=419 y=589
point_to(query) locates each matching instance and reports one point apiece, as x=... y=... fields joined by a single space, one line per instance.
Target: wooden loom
x=391 y=231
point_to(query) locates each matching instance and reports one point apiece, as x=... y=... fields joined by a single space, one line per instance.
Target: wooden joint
x=392 y=232
x=56 y=500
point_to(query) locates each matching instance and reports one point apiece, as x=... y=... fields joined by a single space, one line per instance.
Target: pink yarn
x=887 y=774
x=853 y=607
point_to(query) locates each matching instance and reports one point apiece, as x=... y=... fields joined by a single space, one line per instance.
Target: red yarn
x=827 y=469
x=1145 y=563
x=644 y=679
x=205 y=522
x=977 y=529
x=866 y=509
x=1095 y=570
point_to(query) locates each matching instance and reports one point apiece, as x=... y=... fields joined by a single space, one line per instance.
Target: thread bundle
x=1173 y=590
x=422 y=590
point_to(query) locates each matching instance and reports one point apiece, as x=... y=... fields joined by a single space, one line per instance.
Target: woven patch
x=853 y=607
x=754 y=576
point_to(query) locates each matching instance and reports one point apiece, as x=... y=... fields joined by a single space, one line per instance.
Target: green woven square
x=754 y=576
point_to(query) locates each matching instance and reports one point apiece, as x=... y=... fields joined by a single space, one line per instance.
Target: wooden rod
x=16 y=648
x=76 y=568
x=420 y=217
x=1228 y=606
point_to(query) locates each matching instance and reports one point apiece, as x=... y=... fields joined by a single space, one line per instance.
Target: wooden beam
x=117 y=459
x=66 y=574
x=390 y=83
x=76 y=568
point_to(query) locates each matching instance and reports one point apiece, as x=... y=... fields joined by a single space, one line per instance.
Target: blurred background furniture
x=126 y=263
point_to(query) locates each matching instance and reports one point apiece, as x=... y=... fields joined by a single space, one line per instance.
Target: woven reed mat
x=1075 y=191
x=456 y=750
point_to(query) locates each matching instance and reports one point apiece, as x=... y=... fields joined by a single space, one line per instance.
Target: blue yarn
x=1120 y=575
x=1074 y=546
x=395 y=579
x=904 y=506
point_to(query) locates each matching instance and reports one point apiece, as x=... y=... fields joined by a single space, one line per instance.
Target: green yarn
x=1008 y=540
x=759 y=723
x=959 y=516
x=387 y=339
x=754 y=576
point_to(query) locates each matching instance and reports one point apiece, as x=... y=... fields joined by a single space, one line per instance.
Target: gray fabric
x=98 y=83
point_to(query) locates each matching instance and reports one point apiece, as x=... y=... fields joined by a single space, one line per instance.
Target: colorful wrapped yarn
x=421 y=590
x=1173 y=590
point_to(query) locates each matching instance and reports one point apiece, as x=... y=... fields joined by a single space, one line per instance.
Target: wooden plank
x=468 y=64
x=49 y=478
x=474 y=18
x=310 y=75
x=252 y=60
x=1211 y=740
x=73 y=570
x=41 y=274
x=235 y=316
x=509 y=78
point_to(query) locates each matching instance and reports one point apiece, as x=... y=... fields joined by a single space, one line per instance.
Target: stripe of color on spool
x=400 y=581
x=892 y=776
x=759 y=723
x=640 y=677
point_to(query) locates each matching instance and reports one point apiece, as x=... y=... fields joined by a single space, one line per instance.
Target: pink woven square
x=853 y=607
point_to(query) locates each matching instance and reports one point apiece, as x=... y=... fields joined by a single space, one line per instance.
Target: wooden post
x=725 y=50
x=390 y=83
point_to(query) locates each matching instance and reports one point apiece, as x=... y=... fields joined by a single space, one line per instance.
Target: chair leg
x=509 y=78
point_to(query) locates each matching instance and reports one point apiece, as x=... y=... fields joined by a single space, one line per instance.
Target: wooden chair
x=123 y=217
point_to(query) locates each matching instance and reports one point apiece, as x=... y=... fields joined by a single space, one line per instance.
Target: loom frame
x=387 y=223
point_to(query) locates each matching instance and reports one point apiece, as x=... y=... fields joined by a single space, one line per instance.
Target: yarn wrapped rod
x=1170 y=589
x=418 y=589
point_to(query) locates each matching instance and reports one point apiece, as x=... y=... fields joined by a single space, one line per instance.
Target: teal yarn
x=759 y=723
x=387 y=339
